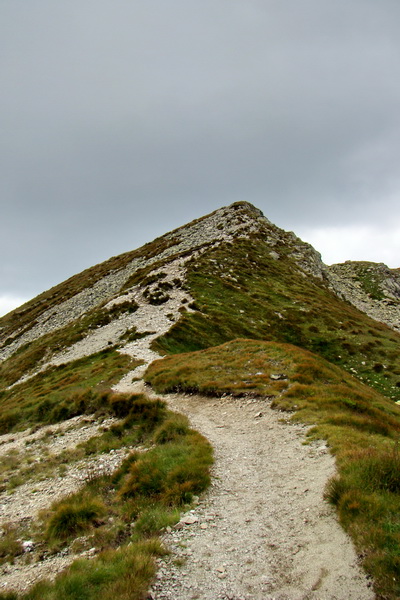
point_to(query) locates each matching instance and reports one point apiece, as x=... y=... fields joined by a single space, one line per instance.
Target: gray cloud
x=122 y=120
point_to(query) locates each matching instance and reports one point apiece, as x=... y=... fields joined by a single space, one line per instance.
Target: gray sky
x=123 y=119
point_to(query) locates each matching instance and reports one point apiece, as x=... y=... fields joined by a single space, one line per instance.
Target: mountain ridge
x=106 y=279
x=219 y=226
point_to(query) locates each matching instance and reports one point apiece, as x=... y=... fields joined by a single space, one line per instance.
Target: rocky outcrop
x=371 y=287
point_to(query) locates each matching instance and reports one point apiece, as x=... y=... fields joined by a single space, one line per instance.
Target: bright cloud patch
x=338 y=244
x=8 y=303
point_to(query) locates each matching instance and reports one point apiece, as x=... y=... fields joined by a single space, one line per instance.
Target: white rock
x=189 y=520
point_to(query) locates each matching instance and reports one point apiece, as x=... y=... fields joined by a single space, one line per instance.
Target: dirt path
x=263 y=532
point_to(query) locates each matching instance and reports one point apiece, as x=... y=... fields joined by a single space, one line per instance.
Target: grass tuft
x=170 y=473
x=171 y=429
x=71 y=518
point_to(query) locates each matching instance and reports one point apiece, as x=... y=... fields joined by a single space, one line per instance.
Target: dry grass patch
x=236 y=367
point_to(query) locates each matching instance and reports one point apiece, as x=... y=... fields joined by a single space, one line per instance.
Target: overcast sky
x=123 y=119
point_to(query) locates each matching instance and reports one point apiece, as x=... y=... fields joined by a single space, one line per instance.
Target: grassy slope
x=31 y=355
x=361 y=426
x=62 y=392
x=241 y=291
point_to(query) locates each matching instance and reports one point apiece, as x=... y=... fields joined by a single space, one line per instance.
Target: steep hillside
x=230 y=274
x=268 y=286
x=94 y=287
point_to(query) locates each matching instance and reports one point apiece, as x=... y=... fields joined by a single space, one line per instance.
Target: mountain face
x=229 y=274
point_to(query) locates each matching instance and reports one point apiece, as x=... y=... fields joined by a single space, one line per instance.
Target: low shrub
x=152 y=520
x=172 y=472
x=69 y=519
x=172 y=429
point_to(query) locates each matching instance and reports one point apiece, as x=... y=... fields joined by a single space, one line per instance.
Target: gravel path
x=263 y=532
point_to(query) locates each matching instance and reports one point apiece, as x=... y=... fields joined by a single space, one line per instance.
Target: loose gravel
x=22 y=505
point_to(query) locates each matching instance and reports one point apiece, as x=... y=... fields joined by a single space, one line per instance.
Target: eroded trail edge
x=263 y=531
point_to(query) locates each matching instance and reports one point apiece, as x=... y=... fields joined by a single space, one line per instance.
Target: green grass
x=361 y=426
x=62 y=392
x=171 y=473
x=240 y=291
x=154 y=519
x=123 y=573
x=74 y=517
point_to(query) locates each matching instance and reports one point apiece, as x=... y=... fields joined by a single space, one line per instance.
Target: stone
x=189 y=520
x=28 y=546
x=277 y=376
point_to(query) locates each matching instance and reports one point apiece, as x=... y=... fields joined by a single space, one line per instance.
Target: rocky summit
x=281 y=361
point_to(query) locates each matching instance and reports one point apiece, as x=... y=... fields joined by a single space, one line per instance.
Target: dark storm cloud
x=122 y=120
